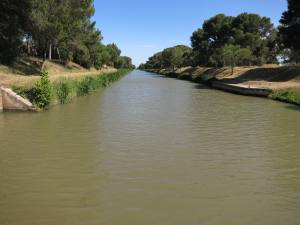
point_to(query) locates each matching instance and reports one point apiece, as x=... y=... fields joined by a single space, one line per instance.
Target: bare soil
x=267 y=76
x=25 y=71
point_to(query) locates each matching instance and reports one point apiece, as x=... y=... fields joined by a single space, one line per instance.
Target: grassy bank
x=45 y=93
x=288 y=96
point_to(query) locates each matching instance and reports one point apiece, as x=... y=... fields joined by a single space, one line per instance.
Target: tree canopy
x=249 y=31
x=247 y=39
x=290 y=30
x=173 y=57
x=13 y=23
x=54 y=29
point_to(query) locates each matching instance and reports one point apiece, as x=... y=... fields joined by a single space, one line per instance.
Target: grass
x=64 y=90
x=289 y=96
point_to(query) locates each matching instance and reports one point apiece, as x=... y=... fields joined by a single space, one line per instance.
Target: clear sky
x=143 y=27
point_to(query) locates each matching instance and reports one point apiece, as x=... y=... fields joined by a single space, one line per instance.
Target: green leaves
x=290 y=29
x=40 y=94
x=233 y=55
x=248 y=31
x=176 y=56
x=13 y=23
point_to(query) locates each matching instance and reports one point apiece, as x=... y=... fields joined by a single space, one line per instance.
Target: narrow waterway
x=151 y=150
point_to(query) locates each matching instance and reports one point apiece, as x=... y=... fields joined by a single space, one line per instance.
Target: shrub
x=84 y=86
x=40 y=94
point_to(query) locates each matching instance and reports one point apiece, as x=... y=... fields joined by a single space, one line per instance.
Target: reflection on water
x=151 y=150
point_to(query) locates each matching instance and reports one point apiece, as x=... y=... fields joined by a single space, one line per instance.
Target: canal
x=151 y=150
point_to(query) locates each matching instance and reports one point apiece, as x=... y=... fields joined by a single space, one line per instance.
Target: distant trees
x=174 y=57
x=54 y=29
x=290 y=31
x=247 y=39
x=124 y=62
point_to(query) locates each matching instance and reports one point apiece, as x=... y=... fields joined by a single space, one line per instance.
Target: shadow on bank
x=209 y=78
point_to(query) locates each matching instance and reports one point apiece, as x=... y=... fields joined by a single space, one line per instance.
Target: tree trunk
x=50 y=51
x=58 y=54
x=232 y=69
x=28 y=48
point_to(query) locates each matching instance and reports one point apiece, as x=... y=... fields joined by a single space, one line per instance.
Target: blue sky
x=143 y=27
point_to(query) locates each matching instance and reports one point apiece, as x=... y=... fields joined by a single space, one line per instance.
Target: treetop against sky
x=142 y=27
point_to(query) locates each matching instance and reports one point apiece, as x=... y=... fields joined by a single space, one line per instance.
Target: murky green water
x=152 y=151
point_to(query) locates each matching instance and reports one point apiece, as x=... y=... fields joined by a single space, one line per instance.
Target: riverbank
x=56 y=84
x=63 y=90
x=282 y=81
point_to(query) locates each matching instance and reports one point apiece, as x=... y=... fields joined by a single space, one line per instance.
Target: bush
x=40 y=94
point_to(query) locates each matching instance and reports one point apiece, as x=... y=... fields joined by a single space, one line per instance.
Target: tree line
x=244 y=40
x=56 y=30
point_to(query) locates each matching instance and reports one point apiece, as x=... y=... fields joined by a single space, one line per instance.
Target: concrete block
x=12 y=101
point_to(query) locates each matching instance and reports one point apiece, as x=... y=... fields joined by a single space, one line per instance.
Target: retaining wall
x=241 y=90
x=9 y=100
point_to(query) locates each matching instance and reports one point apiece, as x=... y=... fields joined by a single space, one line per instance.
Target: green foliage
x=63 y=91
x=249 y=31
x=13 y=22
x=43 y=92
x=124 y=62
x=288 y=96
x=234 y=55
x=290 y=30
x=40 y=94
x=84 y=86
x=53 y=29
x=174 y=57
x=247 y=39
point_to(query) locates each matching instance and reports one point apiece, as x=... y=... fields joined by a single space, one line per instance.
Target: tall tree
x=13 y=21
x=290 y=29
x=246 y=30
x=234 y=55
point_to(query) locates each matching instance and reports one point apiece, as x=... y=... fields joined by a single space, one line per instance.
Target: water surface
x=151 y=150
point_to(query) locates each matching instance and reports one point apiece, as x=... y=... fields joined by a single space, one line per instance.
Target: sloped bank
x=219 y=78
x=43 y=94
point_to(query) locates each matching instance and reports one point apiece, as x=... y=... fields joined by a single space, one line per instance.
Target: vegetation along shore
x=245 y=51
x=51 y=51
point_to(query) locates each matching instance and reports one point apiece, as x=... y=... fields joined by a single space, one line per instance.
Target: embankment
x=276 y=82
x=26 y=71
x=59 y=91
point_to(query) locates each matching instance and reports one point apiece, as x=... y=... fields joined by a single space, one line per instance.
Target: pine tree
x=290 y=29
